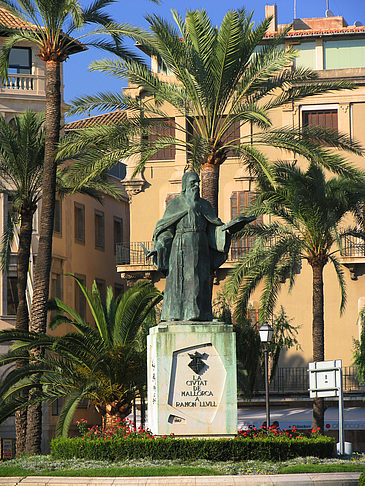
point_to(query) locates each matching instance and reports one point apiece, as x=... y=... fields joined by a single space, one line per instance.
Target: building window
x=324 y=118
x=99 y=230
x=118 y=232
x=20 y=60
x=162 y=68
x=57 y=406
x=118 y=290
x=79 y=212
x=239 y=201
x=56 y=285
x=57 y=226
x=232 y=135
x=100 y=283
x=80 y=301
x=166 y=153
x=118 y=170
x=12 y=296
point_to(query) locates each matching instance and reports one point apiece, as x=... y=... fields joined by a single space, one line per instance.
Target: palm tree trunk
x=209 y=174
x=318 y=336
x=44 y=257
x=22 y=317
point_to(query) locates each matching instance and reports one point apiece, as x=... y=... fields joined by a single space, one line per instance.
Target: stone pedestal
x=192 y=379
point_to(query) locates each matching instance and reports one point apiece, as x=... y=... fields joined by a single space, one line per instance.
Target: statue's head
x=190 y=185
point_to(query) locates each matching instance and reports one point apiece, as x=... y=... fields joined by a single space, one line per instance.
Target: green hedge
x=362 y=479
x=211 y=449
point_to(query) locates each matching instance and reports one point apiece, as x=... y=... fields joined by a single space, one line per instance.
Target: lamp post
x=266 y=332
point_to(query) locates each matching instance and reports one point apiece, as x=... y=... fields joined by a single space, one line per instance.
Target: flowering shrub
x=274 y=432
x=125 y=429
x=121 y=442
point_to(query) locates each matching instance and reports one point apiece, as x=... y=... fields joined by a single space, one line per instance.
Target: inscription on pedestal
x=153 y=382
x=196 y=383
x=196 y=392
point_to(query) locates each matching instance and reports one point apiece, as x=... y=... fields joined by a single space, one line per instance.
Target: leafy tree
x=103 y=363
x=22 y=145
x=307 y=212
x=223 y=78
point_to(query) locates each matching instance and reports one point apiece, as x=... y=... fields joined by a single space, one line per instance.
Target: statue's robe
x=190 y=244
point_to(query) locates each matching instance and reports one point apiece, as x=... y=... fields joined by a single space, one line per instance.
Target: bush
x=238 y=449
x=361 y=479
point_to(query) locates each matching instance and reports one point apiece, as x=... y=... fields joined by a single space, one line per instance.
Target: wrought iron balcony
x=296 y=380
x=353 y=254
x=133 y=254
x=353 y=246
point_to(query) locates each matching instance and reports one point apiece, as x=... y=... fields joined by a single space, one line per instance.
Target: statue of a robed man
x=190 y=242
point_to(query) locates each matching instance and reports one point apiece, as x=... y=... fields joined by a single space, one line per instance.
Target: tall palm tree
x=21 y=161
x=308 y=212
x=22 y=145
x=51 y=26
x=223 y=78
x=103 y=362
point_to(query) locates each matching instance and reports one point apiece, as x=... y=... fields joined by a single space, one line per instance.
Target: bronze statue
x=190 y=242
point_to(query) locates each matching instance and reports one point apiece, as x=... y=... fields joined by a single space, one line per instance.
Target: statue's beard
x=192 y=194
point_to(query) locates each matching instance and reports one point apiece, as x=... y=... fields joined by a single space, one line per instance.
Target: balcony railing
x=133 y=254
x=353 y=246
x=24 y=82
x=296 y=380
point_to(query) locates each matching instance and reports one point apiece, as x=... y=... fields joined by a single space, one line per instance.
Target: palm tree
x=223 y=79
x=103 y=363
x=51 y=24
x=21 y=160
x=22 y=145
x=308 y=212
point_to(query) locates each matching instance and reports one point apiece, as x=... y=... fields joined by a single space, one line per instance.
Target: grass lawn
x=321 y=468
x=8 y=471
x=48 y=466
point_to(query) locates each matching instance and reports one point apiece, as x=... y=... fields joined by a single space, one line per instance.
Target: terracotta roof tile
x=317 y=32
x=9 y=20
x=112 y=118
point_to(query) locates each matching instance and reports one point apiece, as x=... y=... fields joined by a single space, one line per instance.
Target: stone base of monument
x=192 y=379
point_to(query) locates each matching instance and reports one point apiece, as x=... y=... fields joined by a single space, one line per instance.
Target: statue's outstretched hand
x=236 y=224
x=151 y=253
x=148 y=253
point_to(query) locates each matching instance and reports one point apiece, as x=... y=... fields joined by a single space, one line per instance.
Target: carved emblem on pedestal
x=197 y=364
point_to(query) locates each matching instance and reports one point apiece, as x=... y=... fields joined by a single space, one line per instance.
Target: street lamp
x=266 y=332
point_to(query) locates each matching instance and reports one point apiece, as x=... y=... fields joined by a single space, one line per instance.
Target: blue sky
x=79 y=81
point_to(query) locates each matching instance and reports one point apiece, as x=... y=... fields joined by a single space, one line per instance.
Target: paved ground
x=329 y=479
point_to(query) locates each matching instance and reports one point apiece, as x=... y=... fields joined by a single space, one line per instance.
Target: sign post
x=325 y=380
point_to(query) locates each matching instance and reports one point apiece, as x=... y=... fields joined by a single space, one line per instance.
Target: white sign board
x=325 y=378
